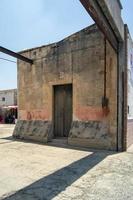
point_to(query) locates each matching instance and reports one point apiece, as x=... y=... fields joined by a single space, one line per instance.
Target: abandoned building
x=63 y=93
x=80 y=88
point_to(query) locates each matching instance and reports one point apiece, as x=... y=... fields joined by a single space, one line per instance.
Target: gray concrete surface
x=30 y=171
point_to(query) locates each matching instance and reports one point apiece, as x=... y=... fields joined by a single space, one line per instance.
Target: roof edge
x=54 y=43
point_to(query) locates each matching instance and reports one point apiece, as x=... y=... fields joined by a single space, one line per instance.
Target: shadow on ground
x=50 y=186
x=51 y=144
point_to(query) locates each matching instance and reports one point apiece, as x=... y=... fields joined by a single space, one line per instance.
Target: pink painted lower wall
x=87 y=113
x=34 y=115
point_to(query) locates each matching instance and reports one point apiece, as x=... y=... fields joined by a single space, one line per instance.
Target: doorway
x=62 y=110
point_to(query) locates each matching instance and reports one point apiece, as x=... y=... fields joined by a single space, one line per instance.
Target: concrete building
x=70 y=91
x=8 y=97
x=81 y=87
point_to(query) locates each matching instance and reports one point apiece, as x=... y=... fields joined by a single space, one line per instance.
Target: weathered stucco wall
x=78 y=59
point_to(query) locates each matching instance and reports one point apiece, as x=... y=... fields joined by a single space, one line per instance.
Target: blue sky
x=30 y=23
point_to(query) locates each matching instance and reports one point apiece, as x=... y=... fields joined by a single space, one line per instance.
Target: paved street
x=30 y=171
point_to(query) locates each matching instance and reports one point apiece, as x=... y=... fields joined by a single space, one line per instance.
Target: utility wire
x=8 y=60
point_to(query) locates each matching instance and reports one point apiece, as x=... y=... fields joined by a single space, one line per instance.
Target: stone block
x=36 y=130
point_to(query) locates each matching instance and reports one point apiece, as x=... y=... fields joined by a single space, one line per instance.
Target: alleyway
x=30 y=171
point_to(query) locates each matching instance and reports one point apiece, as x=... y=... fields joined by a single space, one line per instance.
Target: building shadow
x=7 y=138
x=51 y=144
x=5 y=142
x=50 y=186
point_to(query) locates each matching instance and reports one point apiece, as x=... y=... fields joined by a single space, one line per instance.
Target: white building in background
x=130 y=76
x=8 y=97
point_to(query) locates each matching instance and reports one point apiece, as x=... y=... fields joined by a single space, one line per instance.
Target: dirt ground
x=30 y=171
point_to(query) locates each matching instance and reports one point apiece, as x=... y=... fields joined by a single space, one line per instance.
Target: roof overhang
x=107 y=15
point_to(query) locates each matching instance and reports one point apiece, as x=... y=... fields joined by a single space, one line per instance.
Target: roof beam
x=15 y=55
x=95 y=11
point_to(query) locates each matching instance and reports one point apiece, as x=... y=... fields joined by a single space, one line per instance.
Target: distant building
x=8 y=106
x=129 y=89
x=8 y=97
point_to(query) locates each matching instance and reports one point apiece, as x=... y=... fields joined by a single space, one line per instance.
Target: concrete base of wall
x=92 y=134
x=40 y=131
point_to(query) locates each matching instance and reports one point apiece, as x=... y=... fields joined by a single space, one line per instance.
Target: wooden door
x=62 y=110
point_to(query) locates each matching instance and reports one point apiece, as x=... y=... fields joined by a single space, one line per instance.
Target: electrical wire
x=7 y=60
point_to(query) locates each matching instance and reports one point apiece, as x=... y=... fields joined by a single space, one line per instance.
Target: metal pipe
x=105 y=66
x=15 y=55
